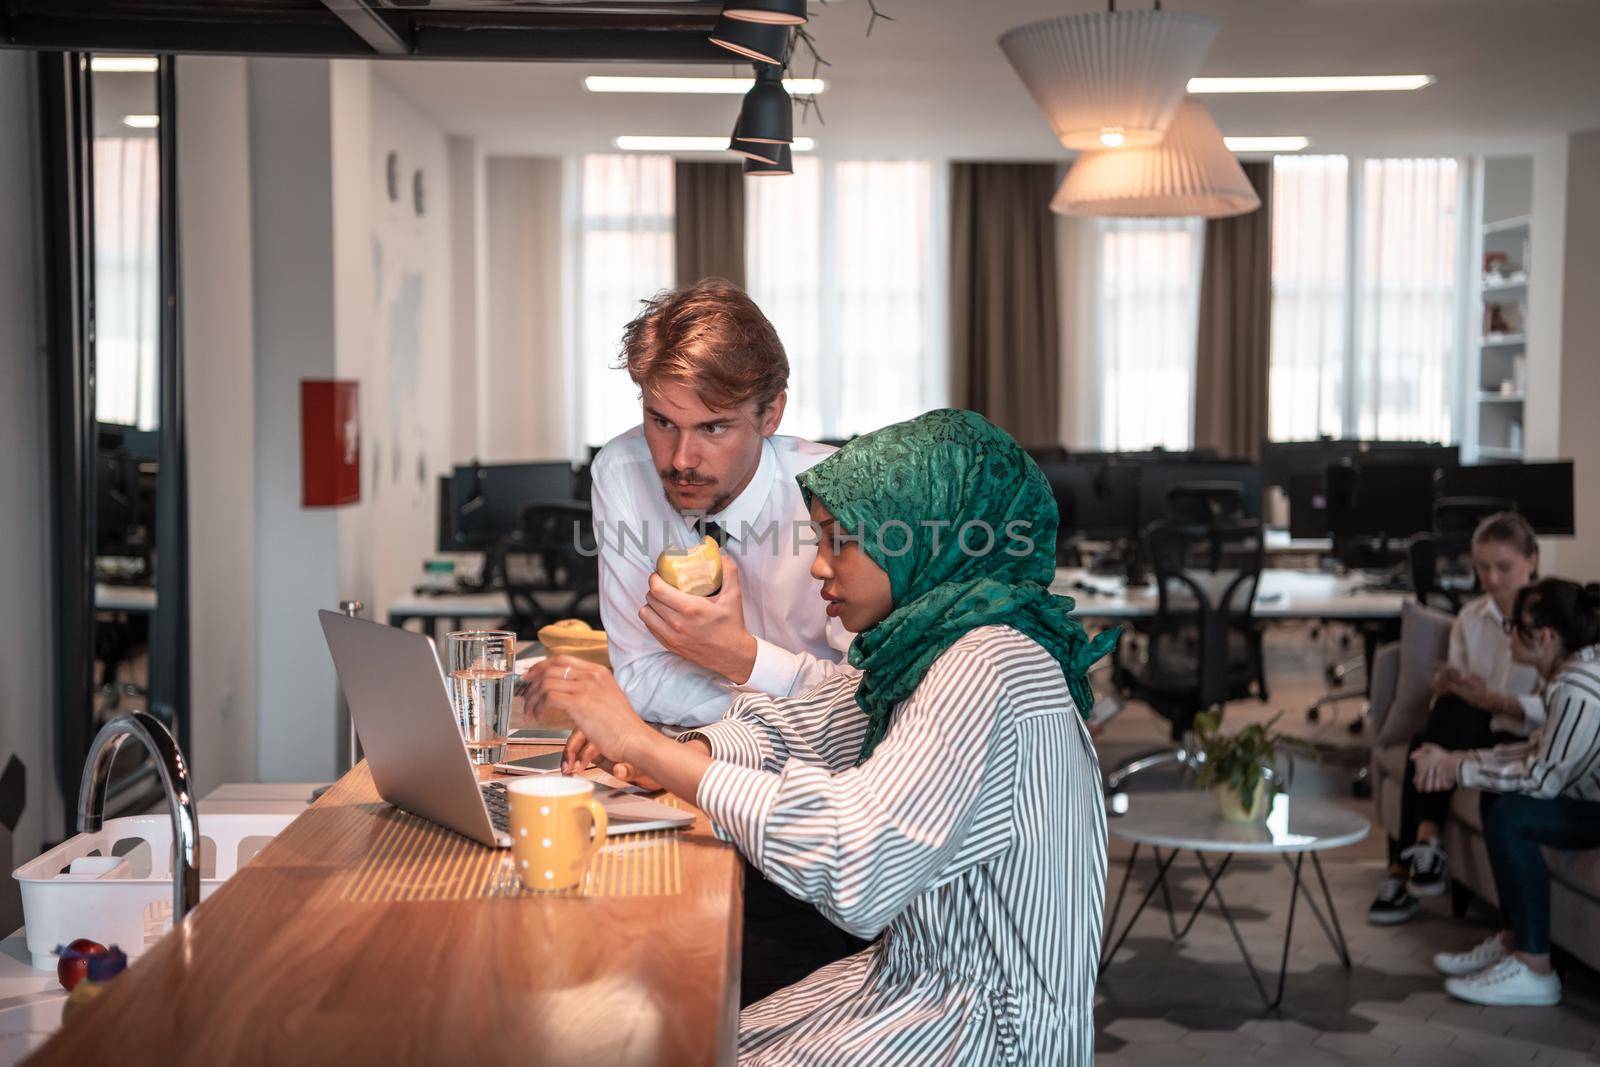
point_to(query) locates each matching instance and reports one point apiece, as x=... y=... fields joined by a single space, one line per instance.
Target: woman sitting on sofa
x=1539 y=793
x=1481 y=698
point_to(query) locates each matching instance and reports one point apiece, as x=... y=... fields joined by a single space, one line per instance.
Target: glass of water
x=482 y=676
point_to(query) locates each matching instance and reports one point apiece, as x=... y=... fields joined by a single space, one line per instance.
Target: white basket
x=134 y=909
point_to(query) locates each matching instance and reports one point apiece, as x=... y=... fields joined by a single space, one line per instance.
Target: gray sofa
x=1401 y=675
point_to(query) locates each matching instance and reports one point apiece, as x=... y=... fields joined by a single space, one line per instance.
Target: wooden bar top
x=362 y=934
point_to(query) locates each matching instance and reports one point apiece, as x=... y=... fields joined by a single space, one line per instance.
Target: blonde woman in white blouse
x=947 y=797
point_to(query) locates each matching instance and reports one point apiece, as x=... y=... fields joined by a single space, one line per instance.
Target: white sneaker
x=1508 y=982
x=1482 y=957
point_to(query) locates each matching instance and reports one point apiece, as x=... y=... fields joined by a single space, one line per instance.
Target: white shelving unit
x=1497 y=377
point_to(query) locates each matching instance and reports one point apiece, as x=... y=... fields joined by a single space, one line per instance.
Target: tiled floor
x=1193 y=1002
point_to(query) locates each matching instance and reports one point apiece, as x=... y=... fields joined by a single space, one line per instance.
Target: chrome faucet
x=174 y=779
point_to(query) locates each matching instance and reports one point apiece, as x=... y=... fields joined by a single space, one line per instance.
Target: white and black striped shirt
x=973 y=839
x=1563 y=757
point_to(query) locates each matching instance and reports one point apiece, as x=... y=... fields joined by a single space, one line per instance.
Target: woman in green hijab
x=947 y=796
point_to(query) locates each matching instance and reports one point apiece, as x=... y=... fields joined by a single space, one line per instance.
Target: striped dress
x=973 y=840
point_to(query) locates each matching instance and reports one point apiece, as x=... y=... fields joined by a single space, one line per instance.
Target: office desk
x=1283 y=595
x=361 y=934
x=136 y=599
x=453 y=609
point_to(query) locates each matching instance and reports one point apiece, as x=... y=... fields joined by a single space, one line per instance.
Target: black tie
x=714 y=531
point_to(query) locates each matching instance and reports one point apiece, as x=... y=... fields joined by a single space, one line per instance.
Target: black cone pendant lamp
x=760 y=151
x=763 y=42
x=778 y=12
x=767 y=115
x=781 y=167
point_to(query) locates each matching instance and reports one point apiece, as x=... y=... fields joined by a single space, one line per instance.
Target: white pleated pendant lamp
x=1190 y=173
x=1110 y=79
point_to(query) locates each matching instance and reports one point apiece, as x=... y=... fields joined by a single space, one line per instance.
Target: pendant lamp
x=779 y=12
x=763 y=42
x=782 y=166
x=760 y=151
x=767 y=114
x=1111 y=79
x=1190 y=173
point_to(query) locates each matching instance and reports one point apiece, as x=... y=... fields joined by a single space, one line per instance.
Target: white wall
x=408 y=405
x=526 y=414
x=297 y=550
x=219 y=353
x=1580 y=352
x=468 y=395
x=26 y=667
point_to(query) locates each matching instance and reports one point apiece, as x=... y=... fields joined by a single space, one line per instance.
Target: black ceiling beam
x=370 y=26
x=328 y=37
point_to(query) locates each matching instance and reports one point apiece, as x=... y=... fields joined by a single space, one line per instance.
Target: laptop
x=396 y=692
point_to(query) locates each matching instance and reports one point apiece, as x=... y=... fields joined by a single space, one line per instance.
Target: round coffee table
x=1188 y=821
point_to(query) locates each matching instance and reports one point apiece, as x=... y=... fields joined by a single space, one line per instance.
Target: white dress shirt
x=797 y=645
x=1479 y=645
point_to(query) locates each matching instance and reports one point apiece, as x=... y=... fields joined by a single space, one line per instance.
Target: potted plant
x=1237 y=766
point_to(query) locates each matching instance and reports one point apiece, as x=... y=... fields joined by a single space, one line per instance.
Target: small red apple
x=74 y=964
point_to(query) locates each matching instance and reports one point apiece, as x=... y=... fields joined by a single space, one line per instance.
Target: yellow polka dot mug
x=556 y=828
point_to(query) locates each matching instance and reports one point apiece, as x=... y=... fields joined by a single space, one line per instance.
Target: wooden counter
x=365 y=935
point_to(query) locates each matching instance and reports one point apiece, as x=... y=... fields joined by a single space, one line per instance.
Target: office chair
x=550 y=569
x=1205 y=502
x=1203 y=647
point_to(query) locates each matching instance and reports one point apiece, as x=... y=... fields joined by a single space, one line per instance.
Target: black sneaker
x=1429 y=869
x=1394 y=904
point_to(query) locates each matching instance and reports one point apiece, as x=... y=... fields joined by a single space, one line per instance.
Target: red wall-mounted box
x=330 y=443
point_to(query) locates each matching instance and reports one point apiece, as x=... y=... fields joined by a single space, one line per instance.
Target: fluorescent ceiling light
x=695 y=86
x=633 y=143
x=1267 y=144
x=1360 y=83
x=142 y=122
x=123 y=64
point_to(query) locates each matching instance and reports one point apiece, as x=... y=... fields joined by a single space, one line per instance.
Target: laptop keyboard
x=494 y=797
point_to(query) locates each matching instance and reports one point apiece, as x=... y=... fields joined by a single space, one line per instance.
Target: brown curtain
x=1004 y=325
x=709 y=201
x=1234 y=350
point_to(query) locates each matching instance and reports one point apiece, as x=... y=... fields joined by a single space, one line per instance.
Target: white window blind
x=1147 y=292
x=625 y=250
x=1365 y=249
x=127 y=277
x=848 y=261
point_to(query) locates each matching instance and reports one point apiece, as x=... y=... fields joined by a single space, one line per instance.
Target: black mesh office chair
x=550 y=570
x=1440 y=562
x=1205 y=502
x=1203 y=647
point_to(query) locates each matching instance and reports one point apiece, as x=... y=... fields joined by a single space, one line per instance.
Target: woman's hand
x=705 y=630
x=605 y=724
x=1445 y=680
x=1475 y=691
x=1437 y=769
x=581 y=754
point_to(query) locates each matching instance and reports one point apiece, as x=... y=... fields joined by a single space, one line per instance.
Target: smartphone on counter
x=542 y=764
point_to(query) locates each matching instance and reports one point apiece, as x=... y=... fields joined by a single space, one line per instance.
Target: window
x=625 y=252
x=1147 y=293
x=127 y=276
x=1369 y=250
x=847 y=261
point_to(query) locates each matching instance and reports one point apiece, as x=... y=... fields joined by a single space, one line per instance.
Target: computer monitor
x=1283 y=460
x=1308 y=504
x=1097 y=500
x=487 y=500
x=1380 y=501
x=1155 y=479
x=1542 y=491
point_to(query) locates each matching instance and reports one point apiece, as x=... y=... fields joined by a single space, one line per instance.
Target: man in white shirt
x=713 y=378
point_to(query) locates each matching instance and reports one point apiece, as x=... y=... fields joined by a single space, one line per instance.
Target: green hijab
x=916 y=493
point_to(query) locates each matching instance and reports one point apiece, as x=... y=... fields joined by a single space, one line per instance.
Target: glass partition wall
x=117 y=422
